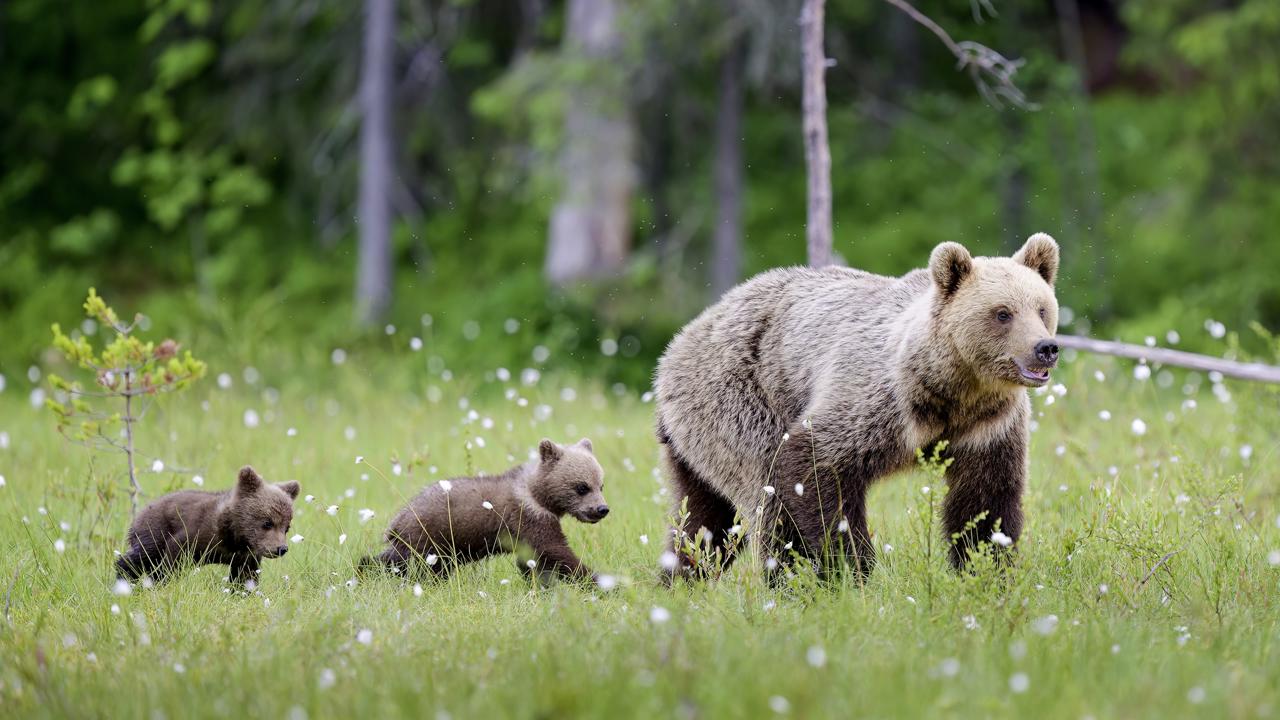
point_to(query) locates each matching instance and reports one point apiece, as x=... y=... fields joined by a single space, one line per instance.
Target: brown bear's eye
x=581 y=489
x=1004 y=316
x=267 y=525
x=1041 y=313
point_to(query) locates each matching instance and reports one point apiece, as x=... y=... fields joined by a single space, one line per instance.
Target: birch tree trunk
x=373 y=273
x=590 y=232
x=817 y=152
x=726 y=262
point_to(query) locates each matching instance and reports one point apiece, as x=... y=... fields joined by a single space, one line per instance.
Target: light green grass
x=916 y=640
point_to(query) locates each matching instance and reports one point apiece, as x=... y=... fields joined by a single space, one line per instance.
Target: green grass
x=1197 y=636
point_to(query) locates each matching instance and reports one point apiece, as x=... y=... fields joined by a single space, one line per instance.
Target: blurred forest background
x=582 y=176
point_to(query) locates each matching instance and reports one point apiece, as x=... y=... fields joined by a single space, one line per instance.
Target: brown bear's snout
x=280 y=551
x=598 y=512
x=1047 y=352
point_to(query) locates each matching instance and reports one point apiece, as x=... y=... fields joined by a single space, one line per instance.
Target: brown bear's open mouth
x=1035 y=376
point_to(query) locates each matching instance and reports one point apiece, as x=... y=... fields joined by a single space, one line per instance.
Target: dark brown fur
x=228 y=527
x=441 y=529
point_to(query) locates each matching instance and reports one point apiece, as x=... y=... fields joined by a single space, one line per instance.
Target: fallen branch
x=1258 y=372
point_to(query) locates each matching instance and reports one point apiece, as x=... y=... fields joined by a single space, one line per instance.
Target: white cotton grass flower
x=309 y=498
x=843 y=526
x=121 y=588
x=1246 y=452
x=1104 y=415
x=1196 y=695
x=224 y=381
x=342 y=539
x=970 y=622
x=445 y=485
x=644 y=539
x=799 y=488
x=1216 y=329
x=60 y=545
x=1045 y=625
x=486 y=505
x=659 y=615
x=331 y=510
x=417 y=589
x=251 y=419
x=179 y=668
x=291 y=432
x=296 y=539
x=1141 y=373
x=197 y=480
x=607 y=582
x=431 y=559
x=365 y=637
x=668 y=561
x=769 y=489
x=888 y=548
x=779 y=705
x=327 y=679
x=1001 y=539
x=415 y=344
x=1019 y=682
x=816 y=656
x=949 y=667
x=157 y=466
x=365 y=515
x=1273 y=558
x=359 y=459
x=1139 y=427
x=338 y=356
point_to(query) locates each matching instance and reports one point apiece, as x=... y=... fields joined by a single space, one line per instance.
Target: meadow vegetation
x=1147 y=582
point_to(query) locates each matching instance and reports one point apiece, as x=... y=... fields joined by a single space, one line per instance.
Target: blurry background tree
x=589 y=174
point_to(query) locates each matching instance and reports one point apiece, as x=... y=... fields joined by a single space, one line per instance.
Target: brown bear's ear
x=249 y=481
x=950 y=264
x=585 y=444
x=549 y=451
x=1040 y=253
x=291 y=488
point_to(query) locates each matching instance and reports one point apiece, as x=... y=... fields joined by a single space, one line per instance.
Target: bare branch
x=992 y=73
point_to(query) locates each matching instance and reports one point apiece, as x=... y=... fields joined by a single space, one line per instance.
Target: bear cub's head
x=999 y=314
x=260 y=513
x=569 y=481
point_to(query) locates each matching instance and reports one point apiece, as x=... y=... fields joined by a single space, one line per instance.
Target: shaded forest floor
x=1148 y=583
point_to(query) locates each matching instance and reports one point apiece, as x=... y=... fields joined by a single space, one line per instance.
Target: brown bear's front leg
x=818 y=508
x=552 y=554
x=243 y=569
x=985 y=494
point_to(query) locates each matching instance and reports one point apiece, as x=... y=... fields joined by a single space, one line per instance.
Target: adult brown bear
x=780 y=405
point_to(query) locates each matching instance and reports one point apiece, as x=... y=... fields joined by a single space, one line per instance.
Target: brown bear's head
x=260 y=513
x=570 y=481
x=999 y=315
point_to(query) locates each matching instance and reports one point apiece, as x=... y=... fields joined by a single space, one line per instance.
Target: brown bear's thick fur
x=449 y=523
x=779 y=406
x=237 y=527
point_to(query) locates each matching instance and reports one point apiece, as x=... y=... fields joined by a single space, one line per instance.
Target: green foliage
x=1161 y=564
x=127 y=373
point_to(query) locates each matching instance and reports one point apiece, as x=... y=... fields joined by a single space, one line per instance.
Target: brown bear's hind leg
x=817 y=513
x=699 y=509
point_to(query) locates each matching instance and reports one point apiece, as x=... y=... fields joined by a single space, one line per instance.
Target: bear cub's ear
x=291 y=488
x=249 y=481
x=1040 y=253
x=950 y=264
x=549 y=451
x=585 y=444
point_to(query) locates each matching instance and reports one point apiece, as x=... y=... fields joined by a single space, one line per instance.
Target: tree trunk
x=817 y=153
x=726 y=263
x=590 y=232
x=373 y=274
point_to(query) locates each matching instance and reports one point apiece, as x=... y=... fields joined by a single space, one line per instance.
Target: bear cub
x=461 y=520
x=238 y=527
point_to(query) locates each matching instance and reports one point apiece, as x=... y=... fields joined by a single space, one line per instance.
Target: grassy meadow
x=1148 y=583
